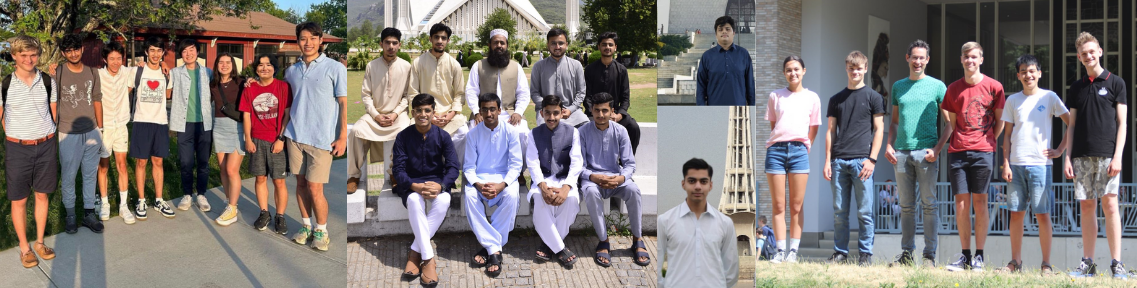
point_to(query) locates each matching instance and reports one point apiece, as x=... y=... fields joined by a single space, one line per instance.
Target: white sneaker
x=105 y=211
x=126 y=215
x=202 y=203
x=186 y=202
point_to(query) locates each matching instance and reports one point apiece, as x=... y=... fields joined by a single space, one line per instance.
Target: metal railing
x=1064 y=213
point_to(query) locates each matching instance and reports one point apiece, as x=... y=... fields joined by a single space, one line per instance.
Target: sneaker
x=865 y=259
x=301 y=236
x=164 y=208
x=185 y=203
x=281 y=224
x=71 y=227
x=778 y=257
x=977 y=263
x=904 y=259
x=104 y=211
x=929 y=260
x=1014 y=266
x=792 y=256
x=1118 y=270
x=1086 y=268
x=262 y=221
x=320 y=240
x=838 y=258
x=229 y=216
x=960 y=264
x=91 y=221
x=202 y=203
x=126 y=215
x=140 y=209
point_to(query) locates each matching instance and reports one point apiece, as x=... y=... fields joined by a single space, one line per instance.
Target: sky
x=298 y=5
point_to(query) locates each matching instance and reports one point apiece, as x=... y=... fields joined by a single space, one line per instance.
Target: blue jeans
x=194 y=147
x=914 y=172
x=1029 y=188
x=787 y=157
x=847 y=185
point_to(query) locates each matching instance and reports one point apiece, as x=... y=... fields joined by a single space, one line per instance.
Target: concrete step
x=814 y=254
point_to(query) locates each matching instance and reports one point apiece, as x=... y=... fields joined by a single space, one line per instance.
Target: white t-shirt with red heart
x=150 y=99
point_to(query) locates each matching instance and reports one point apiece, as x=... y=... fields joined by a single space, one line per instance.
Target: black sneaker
x=71 y=227
x=1086 y=268
x=1118 y=270
x=929 y=260
x=281 y=225
x=960 y=264
x=865 y=259
x=904 y=259
x=838 y=258
x=262 y=221
x=91 y=221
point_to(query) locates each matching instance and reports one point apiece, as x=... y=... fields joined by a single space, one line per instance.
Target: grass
x=814 y=274
x=56 y=213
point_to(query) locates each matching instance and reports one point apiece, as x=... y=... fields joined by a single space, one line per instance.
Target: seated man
x=425 y=167
x=554 y=162
x=608 y=167
x=491 y=166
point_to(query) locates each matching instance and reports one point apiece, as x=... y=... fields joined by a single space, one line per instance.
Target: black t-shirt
x=1095 y=128
x=854 y=110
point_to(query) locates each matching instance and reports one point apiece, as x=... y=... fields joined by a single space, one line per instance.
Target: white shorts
x=116 y=139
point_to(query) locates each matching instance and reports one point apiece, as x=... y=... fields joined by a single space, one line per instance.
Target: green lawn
x=56 y=213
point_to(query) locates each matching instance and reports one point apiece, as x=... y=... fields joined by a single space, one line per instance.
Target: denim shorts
x=787 y=157
x=1029 y=188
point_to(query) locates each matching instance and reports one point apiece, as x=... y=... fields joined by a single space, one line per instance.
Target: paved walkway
x=379 y=262
x=191 y=250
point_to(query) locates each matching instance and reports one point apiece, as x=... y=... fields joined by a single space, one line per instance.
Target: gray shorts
x=1091 y=178
x=265 y=163
x=228 y=136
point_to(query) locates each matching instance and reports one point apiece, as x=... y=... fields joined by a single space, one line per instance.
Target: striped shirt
x=25 y=105
x=116 y=96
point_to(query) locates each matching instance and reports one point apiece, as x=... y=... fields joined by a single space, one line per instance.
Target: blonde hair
x=24 y=43
x=971 y=46
x=856 y=58
x=1085 y=37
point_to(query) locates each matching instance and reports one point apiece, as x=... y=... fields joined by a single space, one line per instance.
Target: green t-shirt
x=193 y=110
x=919 y=109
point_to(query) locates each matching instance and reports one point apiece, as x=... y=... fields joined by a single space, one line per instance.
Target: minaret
x=388 y=14
x=404 y=18
x=572 y=17
x=737 y=200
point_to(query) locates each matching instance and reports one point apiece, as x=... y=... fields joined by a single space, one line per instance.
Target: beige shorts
x=115 y=139
x=314 y=163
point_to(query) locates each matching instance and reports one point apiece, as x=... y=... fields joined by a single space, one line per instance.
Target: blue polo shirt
x=315 y=112
x=725 y=77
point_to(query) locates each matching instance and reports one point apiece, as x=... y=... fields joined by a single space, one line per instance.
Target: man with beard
x=606 y=75
x=384 y=94
x=554 y=76
x=80 y=122
x=438 y=74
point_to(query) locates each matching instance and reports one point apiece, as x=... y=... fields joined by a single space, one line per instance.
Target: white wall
x=830 y=30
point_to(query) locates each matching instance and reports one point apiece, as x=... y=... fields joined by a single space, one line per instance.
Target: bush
x=517 y=56
x=404 y=55
x=473 y=58
x=669 y=51
x=674 y=44
x=592 y=57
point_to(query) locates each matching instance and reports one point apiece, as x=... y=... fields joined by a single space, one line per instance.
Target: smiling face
x=309 y=44
x=557 y=45
x=697 y=183
x=265 y=69
x=26 y=60
x=489 y=111
x=189 y=55
x=423 y=114
x=552 y=115
x=793 y=72
x=917 y=60
x=1089 y=54
x=73 y=55
x=971 y=60
x=607 y=47
x=856 y=72
x=154 y=55
x=1029 y=75
x=225 y=65
x=114 y=61
x=438 y=41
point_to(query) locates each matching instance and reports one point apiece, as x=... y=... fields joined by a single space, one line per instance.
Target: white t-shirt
x=151 y=97
x=1032 y=117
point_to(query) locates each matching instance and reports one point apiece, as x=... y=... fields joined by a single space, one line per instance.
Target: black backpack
x=133 y=92
x=46 y=79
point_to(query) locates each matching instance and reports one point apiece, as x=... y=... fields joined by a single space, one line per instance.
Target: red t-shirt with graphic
x=266 y=105
x=974 y=107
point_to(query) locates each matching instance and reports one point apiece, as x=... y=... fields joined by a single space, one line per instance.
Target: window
x=743 y=13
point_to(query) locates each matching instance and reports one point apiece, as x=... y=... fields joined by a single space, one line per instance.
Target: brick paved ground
x=379 y=262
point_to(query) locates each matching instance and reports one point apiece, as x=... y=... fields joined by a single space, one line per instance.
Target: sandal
x=29 y=259
x=43 y=251
x=1015 y=266
x=635 y=251
x=566 y=257
x=430 y=268
x=485 y=258
x=414 y=260
x=544 y=249
x=603 y=255
x=1046 y=269
x=494 y=260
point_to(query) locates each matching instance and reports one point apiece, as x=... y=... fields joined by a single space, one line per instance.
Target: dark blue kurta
x=418 y=160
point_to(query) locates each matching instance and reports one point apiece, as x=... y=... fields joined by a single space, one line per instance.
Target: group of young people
x=578 y=153
x=967 y=116
x=120 y=111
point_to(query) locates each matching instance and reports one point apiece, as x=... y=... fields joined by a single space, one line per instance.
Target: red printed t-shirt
x=266 y=105
x=974 y=107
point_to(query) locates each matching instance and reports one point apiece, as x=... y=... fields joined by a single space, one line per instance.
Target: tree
x=332 y=16
x=367 y=29
x=633 y=20
x=498 y=19
x=289 y=15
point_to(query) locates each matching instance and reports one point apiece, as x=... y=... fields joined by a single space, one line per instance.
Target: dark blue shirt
x=725 y=77
x=418 y=160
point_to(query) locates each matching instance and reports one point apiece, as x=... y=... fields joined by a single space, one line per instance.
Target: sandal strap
x=603 y=245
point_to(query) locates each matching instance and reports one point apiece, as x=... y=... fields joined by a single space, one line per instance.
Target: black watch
x=873 y=160
x=281 y=138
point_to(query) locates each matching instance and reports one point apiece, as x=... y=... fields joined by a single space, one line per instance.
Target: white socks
x=322 y=227
x=104 y=199
x=122 y=198
x=794 y=243
x=782 y=245
x=306 y=221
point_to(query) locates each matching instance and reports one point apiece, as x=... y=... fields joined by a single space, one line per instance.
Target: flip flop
x=638 y=254
x=603 y=246
x=546 y=250
x=485 y=258
x=564 y=257
x=494 y=260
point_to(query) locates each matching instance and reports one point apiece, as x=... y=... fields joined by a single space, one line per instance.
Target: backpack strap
x=7 y=82
x=46 y=80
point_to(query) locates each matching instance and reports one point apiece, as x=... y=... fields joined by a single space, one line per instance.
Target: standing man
x=492 y=165
x=150 y=136
x=611 y=77
x=438 y=74
x=608 y=168
x=385 y=83
x=80 y=119
x=725 y=76
x=852 y=141
x=316 y=131
x=1098 y=110
x=974 y=105
x=913 y=147
x=499 y=74
x=695 y=240
x=554 y=164
x=192 y=118
x=559 y=76
x=115 y=84
x=31 y=153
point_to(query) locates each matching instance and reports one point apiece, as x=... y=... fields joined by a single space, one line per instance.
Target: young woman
x=228 y=137
x=794 y=114
x=265 y=108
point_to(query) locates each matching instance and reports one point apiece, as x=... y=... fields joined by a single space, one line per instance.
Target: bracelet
x=872 y=160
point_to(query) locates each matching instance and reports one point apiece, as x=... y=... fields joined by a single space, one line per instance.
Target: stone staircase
x=676 y=77
x=819 y=246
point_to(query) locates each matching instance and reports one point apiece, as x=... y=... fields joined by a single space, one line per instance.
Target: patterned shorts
x=1091 y=178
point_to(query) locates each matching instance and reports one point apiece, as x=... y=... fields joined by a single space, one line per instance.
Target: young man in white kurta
x=385 y=83
x=554 y=193
x=491 y=167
